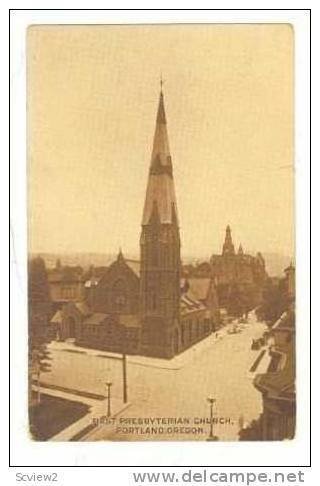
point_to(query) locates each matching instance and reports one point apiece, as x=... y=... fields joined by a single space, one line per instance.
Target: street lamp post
x=109 y=384
x=124 y=374
x=211 y=436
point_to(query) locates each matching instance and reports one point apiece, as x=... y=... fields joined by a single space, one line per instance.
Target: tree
x=274 y=301
x=39 y=315
x=235 y=302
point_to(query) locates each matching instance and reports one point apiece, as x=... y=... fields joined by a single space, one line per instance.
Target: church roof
x=160 y=199
x=83 y=308
x=194 y=291
x=189 y=303
x=134 y=265
x=200 y=287
x=96 y=318
x=126 y=320
x=57 y=318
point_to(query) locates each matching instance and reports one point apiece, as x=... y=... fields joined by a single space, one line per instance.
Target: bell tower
x=160 y=251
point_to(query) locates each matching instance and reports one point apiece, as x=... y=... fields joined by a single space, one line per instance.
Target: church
x=240 y=277
x=145 y=307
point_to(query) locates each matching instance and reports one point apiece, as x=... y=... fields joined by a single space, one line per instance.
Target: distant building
x=290 y=282
x=145 y=306
x=66 y=284
x=239 y=276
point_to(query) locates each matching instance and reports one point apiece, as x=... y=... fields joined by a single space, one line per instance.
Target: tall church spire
x=228 y=247
x=160 y=250
x=160 y=189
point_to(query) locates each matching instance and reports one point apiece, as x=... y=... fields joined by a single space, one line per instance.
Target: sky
x=92 y=96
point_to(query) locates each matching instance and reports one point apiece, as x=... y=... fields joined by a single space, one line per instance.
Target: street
x=217 y=367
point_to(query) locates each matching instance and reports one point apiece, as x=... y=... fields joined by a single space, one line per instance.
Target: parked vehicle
x=256 y=344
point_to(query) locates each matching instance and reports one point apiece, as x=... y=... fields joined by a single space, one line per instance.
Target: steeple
x=240 y=250
x=160 y=250
x=160 y=188
x=120 y=256
x=228 y=247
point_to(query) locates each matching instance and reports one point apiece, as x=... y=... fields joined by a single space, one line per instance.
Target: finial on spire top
x=161 y=82
x=120 y=254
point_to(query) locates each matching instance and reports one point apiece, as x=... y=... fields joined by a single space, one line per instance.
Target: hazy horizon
x=92 y=100
x=275 y=262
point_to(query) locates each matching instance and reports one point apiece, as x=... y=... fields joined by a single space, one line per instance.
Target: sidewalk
x=98 y=409
x=175 y=363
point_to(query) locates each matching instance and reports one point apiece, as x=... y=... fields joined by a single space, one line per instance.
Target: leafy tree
x=39 y=315
x=274 y=301
x=235 y=301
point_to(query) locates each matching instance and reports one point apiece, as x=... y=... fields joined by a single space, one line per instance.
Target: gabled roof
x=194 y=292
x=83 y=308
x=122 y=263
x=189 y=301
x=134 y=265
x=95 y=319
x=65 y=275
x=57 y=318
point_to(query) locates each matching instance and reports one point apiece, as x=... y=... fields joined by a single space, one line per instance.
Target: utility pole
x=109 y=384
x=211 y=436
x=124 y=374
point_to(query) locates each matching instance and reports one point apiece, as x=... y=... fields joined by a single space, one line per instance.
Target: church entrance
x=71 y=327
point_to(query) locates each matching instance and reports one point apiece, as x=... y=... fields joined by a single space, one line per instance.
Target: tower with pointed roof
x=228 y=247
x=160 y=250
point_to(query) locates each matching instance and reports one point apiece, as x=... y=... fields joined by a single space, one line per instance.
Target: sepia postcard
x=161 y=246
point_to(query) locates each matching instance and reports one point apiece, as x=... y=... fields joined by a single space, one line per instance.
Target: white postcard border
x=25 y=452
